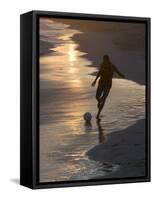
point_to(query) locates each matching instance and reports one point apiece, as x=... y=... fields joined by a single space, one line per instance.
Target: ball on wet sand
x=87 y=116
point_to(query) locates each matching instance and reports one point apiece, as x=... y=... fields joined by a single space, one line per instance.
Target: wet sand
x=125 y=148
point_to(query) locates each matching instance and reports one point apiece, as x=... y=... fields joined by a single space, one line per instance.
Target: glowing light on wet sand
x=72 y=53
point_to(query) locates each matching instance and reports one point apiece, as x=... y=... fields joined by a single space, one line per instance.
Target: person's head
x=106 y=58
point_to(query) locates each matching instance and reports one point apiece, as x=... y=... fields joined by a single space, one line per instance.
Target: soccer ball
x=87 y=116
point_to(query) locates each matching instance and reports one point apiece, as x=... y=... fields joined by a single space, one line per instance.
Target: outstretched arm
x=118 y=72
x=97 y=76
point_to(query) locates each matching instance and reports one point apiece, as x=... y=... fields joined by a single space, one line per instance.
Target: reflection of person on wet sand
x=88 y=129
x=105 y=82
x=101 y=134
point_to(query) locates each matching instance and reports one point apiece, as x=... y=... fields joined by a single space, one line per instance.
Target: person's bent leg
x=102 y=103
x=98 y=94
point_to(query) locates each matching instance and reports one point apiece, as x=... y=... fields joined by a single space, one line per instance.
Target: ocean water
x=65 y=95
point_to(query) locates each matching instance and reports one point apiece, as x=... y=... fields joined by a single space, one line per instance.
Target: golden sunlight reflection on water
x=67 y=67
x=72 y=53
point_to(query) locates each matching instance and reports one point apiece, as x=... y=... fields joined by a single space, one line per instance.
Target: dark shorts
x=103 y=88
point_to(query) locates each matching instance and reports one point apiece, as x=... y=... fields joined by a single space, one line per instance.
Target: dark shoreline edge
x=95 y=47
x=125 y=148
x=136 y=75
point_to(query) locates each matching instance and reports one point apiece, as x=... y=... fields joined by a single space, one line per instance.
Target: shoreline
x=95 y=56
x=125 y=148
x=127 y=53
x=131 y=75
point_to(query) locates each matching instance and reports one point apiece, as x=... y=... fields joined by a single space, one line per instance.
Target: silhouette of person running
x=105 y=73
